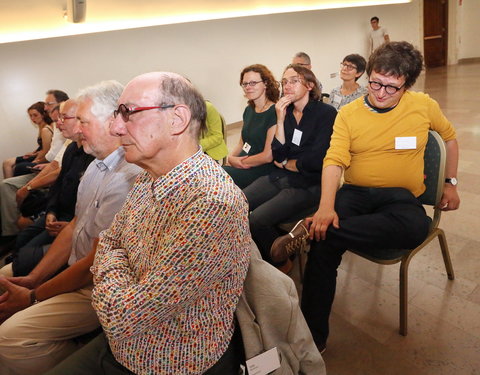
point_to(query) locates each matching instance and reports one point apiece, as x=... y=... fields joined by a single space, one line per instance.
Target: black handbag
x=34 y=204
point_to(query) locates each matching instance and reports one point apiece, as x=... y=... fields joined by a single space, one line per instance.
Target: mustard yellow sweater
x=363 y=142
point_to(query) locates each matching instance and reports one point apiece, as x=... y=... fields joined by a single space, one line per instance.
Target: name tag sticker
x=297 y=137
x=246 y=147
x=405 y=143
x=264 y=363
x=337 y=98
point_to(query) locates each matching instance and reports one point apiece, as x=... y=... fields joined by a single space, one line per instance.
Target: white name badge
x=405 y=143
x=246 y=147
x=337 y=98
x=264 y=363
x=297 y=137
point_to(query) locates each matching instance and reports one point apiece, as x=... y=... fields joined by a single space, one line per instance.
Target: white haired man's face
x=94 y=134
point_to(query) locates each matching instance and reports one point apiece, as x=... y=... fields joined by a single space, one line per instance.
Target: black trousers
x=97 y=358
x=371 y=220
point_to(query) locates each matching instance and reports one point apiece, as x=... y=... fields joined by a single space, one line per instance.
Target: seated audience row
x=169 y=268
x=15 y=190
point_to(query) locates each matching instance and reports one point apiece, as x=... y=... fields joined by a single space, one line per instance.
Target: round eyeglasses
x=389 y=89
x=291 y=81
x=348 y=67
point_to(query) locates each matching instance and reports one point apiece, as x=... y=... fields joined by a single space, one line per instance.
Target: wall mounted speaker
x=76 y=10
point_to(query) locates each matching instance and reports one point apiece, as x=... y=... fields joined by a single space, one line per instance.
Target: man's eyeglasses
x=126 y=112
x=292 y=81
x=389 y=89
x=251 y=84
x=63 y=118
x=348 y=67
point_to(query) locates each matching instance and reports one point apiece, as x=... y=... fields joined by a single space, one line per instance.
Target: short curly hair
x=397 y=59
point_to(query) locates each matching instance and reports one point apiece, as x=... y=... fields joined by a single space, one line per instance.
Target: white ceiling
x=37 y=19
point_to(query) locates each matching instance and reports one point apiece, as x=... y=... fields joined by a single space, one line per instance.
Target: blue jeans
x=371 y=220
x=275 y=202
x=34 y=235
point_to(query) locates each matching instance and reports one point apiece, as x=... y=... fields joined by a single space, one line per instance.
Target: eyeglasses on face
x=348 y=67
x=126 y=112
x=389 y=89
x=62 y=117
x=291 y=81
x=251 y=84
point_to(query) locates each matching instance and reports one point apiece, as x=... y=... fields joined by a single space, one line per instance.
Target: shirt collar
x=178 y=176
x=111 y=160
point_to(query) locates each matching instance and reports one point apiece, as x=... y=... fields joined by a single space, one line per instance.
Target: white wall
x=468 y=29
x=210 y=53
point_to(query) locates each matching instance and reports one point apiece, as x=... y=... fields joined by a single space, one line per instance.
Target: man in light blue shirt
x=55 y=310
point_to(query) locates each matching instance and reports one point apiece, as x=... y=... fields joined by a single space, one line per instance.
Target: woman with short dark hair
x=351 y=69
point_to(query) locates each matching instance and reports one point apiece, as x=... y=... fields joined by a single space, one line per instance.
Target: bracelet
x=33 y=298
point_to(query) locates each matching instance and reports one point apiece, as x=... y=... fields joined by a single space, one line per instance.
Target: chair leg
x=404 y=295
x=446 y=254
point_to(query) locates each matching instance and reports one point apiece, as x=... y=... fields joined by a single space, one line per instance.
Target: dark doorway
x=435 y=32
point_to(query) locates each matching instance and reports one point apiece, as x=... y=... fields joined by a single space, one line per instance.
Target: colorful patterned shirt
x=169 y=271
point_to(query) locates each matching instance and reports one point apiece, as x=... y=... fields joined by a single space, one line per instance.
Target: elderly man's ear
x=180 y=120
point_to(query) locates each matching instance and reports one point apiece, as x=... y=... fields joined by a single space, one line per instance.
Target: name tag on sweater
x=405 y=143
x=246 y=147
x=264 y=363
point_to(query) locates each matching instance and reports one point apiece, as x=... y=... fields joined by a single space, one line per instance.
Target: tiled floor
x=444 y=316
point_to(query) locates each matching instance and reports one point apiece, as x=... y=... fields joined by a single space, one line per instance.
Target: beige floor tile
x=458 y=311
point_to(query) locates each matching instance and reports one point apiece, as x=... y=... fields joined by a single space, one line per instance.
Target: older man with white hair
x=42 y=314
x=169 y=271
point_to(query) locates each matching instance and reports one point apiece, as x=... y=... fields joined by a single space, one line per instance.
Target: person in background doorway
x=378 y=35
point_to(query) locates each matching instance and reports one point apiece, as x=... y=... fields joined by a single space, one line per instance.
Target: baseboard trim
x=469 y=60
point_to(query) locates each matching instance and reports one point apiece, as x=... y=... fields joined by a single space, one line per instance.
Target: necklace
x=263 y=107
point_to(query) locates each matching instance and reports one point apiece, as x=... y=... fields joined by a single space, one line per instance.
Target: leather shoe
x=290 y=244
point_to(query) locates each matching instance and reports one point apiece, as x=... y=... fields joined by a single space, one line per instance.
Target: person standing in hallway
x=378 y=34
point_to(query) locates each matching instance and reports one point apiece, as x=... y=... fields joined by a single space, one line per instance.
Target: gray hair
x=303 y=56
x=175 y=89
x=104 y=96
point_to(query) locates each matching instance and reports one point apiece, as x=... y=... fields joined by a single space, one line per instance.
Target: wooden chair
x=434 y=170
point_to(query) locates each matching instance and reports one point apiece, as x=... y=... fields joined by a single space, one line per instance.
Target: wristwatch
x=452 y=181
x=284 y=163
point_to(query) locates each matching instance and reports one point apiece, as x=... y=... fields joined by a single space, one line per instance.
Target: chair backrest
x=224 y=130
x=434 y=171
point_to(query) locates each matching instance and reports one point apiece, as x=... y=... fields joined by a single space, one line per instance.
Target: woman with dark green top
x=252 y=157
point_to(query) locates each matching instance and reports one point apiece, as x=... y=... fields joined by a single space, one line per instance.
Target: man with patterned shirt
x=169 y=271
x=41 y=314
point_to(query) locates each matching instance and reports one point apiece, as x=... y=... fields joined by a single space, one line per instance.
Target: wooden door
x=435 y=29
